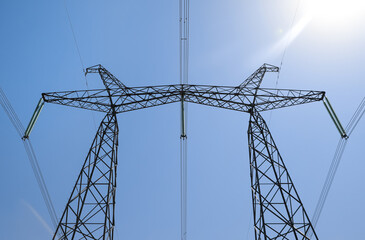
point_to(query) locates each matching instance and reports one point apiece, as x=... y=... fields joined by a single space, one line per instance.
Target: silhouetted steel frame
x=267 y=168
x=102 y=155
x=247 y=97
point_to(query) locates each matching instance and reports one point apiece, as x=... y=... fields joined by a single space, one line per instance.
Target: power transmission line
x=74 y=36
x=78 y=51
x=184 y=79
x=284 y=52
x=287 y=43
x=336 y=161
x=13 y=117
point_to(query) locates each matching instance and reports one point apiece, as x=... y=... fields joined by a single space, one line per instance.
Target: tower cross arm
x=243 y=99
x=96 y=100
x=121 y=99
x=134 y=98
x=269 y=99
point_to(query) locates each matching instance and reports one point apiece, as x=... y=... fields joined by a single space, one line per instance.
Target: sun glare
x=330 y=19
x=334 y=12
x=289 y=37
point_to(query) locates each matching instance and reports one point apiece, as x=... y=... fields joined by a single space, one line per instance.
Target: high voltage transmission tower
x=277 y=209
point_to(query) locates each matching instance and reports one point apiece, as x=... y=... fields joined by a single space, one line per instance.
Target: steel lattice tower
x=277 y=209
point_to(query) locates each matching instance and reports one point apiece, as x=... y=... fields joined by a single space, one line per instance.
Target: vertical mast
x=184 y=60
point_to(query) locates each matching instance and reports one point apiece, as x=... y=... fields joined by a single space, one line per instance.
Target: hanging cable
x=74 y=36
x=287 y=43
x=41 y=182
x=336 y=161
x=356 y=117
x=10 y=113
x=13 y=117
x=79 y=54
x=184 y=62
x=284 y=53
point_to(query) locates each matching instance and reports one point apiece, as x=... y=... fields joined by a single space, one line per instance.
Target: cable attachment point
x=334 y=118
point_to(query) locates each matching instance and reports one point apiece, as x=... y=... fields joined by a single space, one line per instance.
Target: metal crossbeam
x=134 y=98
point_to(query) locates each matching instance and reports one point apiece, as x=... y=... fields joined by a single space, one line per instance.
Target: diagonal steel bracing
x=89 y=212
x=278 y=210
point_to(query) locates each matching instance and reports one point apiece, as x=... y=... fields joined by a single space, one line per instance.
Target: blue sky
x=138 y=42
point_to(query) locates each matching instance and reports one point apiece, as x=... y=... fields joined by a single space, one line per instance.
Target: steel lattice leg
x=277 y=209
x=89 y=213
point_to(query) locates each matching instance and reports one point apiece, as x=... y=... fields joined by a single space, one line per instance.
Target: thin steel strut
x=89 y=213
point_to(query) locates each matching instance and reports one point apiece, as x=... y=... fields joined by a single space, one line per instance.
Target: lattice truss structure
x=277 y=209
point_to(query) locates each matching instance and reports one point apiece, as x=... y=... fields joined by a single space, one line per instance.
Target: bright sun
x=334 y=12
